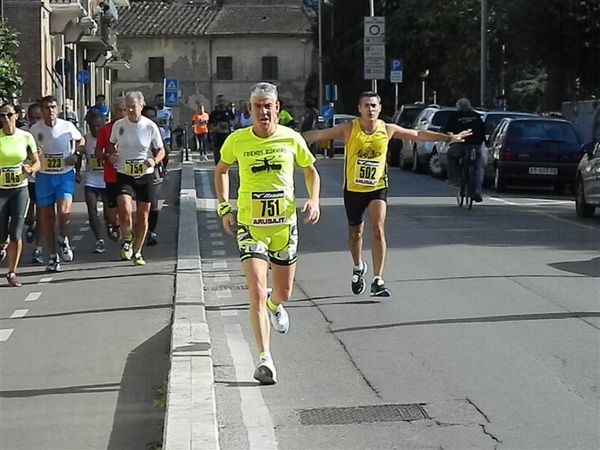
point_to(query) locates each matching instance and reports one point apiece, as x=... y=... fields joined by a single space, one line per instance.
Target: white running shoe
x=279 y=318
x=100 y=248
x=66 y=253
x=265 y=372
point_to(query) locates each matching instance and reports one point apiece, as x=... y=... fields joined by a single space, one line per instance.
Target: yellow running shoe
x=138 y=260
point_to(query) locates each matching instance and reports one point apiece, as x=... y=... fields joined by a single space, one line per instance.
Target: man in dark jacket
x=466 y=118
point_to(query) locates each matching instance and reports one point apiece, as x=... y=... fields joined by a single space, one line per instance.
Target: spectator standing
x=99 y=107
x=200 y=121
x=221 y=122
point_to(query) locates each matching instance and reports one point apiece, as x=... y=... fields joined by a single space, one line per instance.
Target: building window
x=269 y=68
x=224 y=68
x=156 y=69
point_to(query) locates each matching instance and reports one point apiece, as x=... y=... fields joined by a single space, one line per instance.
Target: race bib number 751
x=268 y=208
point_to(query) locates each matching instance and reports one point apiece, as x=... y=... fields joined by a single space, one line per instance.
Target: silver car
x=587 y=181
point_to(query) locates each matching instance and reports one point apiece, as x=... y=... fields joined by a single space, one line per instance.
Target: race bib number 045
x=11 y=177
x=135 y=167
x=268 y=208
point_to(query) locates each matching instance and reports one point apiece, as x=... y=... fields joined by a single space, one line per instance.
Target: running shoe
x=378 y=289
x=30 y=235
x=126 y=251
x=100 y=248
x=37 y=257
x=279 y=318
x=138 y=260
x=53 y=264
x=265 y=371
x=113 y=232
x=152 y=238
x=2 y=253
x=12 y=279
x=358 y=279
x=66 y=253
x=477 y=198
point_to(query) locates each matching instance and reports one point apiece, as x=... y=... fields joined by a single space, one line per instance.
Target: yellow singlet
x=365 y=159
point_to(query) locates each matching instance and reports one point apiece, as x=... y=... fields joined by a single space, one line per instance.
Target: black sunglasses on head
x=7 y=115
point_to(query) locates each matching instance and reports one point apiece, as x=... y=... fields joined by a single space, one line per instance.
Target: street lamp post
x=372 y=13
x=424 y=76
x=483 y=61
x=319 y=13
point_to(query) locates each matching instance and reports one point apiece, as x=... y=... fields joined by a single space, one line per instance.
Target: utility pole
x=320 y=25
x=372 y=14
x=483 y=62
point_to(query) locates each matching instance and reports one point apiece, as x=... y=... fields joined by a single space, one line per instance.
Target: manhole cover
x=362 y=414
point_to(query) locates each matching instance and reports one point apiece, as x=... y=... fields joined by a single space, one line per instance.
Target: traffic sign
x=83 y=77
x=396 y=69
x=62 y=66
x=327 y=111
x=375 y=51
x=374 y=47
x=374 y=26
x=171 y=91
x=331 y=92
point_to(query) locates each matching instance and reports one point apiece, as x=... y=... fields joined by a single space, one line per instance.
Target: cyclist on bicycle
x=464 y=118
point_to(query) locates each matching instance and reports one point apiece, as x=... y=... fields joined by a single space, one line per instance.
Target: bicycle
x=466 y=187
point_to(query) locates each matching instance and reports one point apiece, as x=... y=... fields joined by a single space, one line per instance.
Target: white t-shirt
x=94 y=168
x=163 y=117
x=55 y=143
x=134 y=142
x=246 y=121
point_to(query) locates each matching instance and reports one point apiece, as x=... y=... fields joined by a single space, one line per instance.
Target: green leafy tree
x=11 y=82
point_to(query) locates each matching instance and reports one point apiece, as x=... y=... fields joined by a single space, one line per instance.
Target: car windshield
x=440 y=118
x=542 y=131
x=339 y=120
x=492 y=120
x=409 y=115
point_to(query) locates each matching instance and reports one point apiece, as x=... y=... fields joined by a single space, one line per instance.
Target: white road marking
x=33 y=296
x=19 y=313
x=229 y=313
x=225 y=293
x=84 y=229
x=219 y=265
x=221 y=279
x=45 y=280
x=218 y=243
x=212 y=227
x=216 y=235
x=78 y=237
x=5 y=334
x=218 y=252
x=256 y=416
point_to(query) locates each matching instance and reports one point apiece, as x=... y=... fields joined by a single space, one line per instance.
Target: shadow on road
x=83 y=389
x=137 y=420
x=589 y=268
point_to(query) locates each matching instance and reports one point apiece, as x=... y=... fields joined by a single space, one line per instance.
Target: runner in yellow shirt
x=18 y=158
x=366 y=181
x=266 y=154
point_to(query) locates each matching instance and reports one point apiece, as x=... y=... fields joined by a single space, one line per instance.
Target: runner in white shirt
x=131 y=143
x=55 y=182
x=95 y=188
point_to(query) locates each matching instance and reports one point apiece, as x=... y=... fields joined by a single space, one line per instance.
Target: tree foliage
x=540 y=52
x=11 y=82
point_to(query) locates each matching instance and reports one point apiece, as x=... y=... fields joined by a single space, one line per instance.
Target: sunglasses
x=7 y=115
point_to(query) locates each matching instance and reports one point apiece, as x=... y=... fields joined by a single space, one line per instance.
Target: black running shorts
x=356 y=203
x=138 y=188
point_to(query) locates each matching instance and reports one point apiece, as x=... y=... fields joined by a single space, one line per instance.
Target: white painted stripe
x=45 y=280
x=218 y=252
x=218 y=243
x=256 y=416
x=216 y=235
x=84 y=229
x=222 y=279
x=78 y=237
x=5 y=334
x=33 y=296
x=229 y=313
x=219 y=265
x=211 y=221
x=19 y=313
x=212 y=227
x=225 y=293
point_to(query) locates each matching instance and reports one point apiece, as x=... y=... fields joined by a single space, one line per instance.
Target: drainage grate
x=223 y=287
x=362 y=414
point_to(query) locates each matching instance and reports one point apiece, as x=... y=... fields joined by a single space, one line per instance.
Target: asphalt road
x=84 y=352
x=492 y=328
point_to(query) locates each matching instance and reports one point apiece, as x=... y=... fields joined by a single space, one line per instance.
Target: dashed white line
x=5 y=334
x=84 y=229
x=218 y=252
x=218 y=243
x=212 y=227
x=19 y=313
x=229 y=313
x=78 y=237
x=225 y=293
x=219 y=265
x=222 y=279
x=45 y=280
x=216 y=235
x=33 y=296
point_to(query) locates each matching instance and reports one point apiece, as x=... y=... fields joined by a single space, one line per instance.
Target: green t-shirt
x=266 y=170
x=13 y=153
x=285 y=117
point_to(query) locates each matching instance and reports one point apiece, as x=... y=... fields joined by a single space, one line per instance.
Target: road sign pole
x=372 y=9
x=395 y=97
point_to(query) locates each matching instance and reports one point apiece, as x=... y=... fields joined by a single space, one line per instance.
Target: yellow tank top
x=365 y=160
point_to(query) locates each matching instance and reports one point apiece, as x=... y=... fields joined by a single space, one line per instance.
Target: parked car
x=535 y=150
x=587 y=180
x=404 y=117
x=425 y=154
x=338 y=144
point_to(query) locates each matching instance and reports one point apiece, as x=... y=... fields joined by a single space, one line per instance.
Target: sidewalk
x=191 y=417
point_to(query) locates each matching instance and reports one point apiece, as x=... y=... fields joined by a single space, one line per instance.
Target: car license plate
x=543 y=171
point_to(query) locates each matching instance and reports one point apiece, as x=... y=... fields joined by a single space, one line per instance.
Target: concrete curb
x=191 y=414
